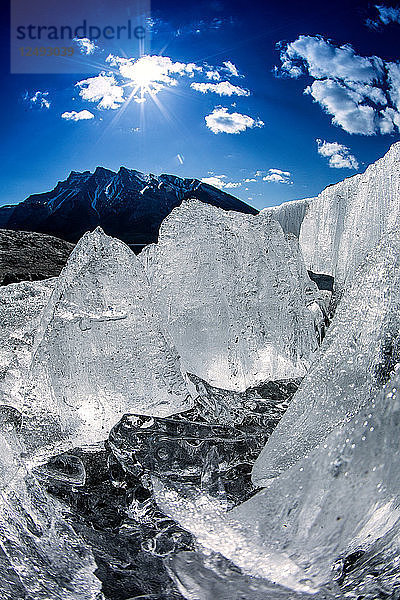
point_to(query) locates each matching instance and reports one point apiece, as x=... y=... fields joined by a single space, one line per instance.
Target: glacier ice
x=343 y=498
x=346 y=220
x=99 y=351
x=360 y=348
x=209 y=576
x=214 y=444
x=41 y=558
x=340 y=501
x=21 y=305
x=169 y=355
x=233 y=296
x=290 y=215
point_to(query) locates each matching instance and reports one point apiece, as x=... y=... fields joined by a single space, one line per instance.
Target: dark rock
x=26 y=256
x=324 y=282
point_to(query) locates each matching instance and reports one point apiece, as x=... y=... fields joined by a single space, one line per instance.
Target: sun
x=147 y=76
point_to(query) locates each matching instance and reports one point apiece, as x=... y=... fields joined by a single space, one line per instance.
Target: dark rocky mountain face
x=128 y=205
x=26 y=256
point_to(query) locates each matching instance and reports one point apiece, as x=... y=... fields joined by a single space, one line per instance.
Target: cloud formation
x=386 y=15
x=232 y=184
x=82 y=115
x=38 y=100
x=339 y=156
x=136 y=79
x=322 y=59
x=213 y=74
x=231 y=68
x=346 y=106
x=85 y=45
x=223 y=88
x=278 y=176
x=103 y=89
x=218 y=181
x=360 y=93
x=222 y=121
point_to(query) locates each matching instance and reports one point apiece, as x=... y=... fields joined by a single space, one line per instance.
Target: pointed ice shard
x=355 y=359
x=100 y=351
x=220 y=531
x=344 y=498
x=229 y=289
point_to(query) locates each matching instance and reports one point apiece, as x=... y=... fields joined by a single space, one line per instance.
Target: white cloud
x=103 y=89
x=345 y=106
x=215 y=180
x=394 y=83
x=322 y=59
x=222 y=121
x=386 y=15
x=85 y=45
x=218 y=182
x=278 y=176
x=223 y=88
x=338 y=154
x=146 y=76
x=390 y=119
x=250 y=180
x=82 y=115
x=231 y=68
x=360 y=93
x=37 y=100
x=213 y=74
x=228 y=70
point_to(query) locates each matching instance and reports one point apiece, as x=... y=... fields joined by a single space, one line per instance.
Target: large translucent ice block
x=100 y=351
x=232 y=296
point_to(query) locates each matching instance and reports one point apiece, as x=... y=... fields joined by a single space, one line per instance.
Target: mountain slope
x=128 y=204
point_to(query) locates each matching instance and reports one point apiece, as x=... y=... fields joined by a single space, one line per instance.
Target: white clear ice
x=233 y=293
x=290 y=215
x=41 y=557
x=341 y=499
x=346 y=220
x=360 y=346
x=99 y=351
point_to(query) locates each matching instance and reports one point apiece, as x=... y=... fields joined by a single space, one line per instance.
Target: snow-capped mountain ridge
x=127 y=204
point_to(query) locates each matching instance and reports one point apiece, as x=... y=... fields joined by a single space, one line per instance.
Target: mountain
x=128 y=205
x=27 y=256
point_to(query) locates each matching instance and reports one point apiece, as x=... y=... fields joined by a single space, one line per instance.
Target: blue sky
x=218 y=100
